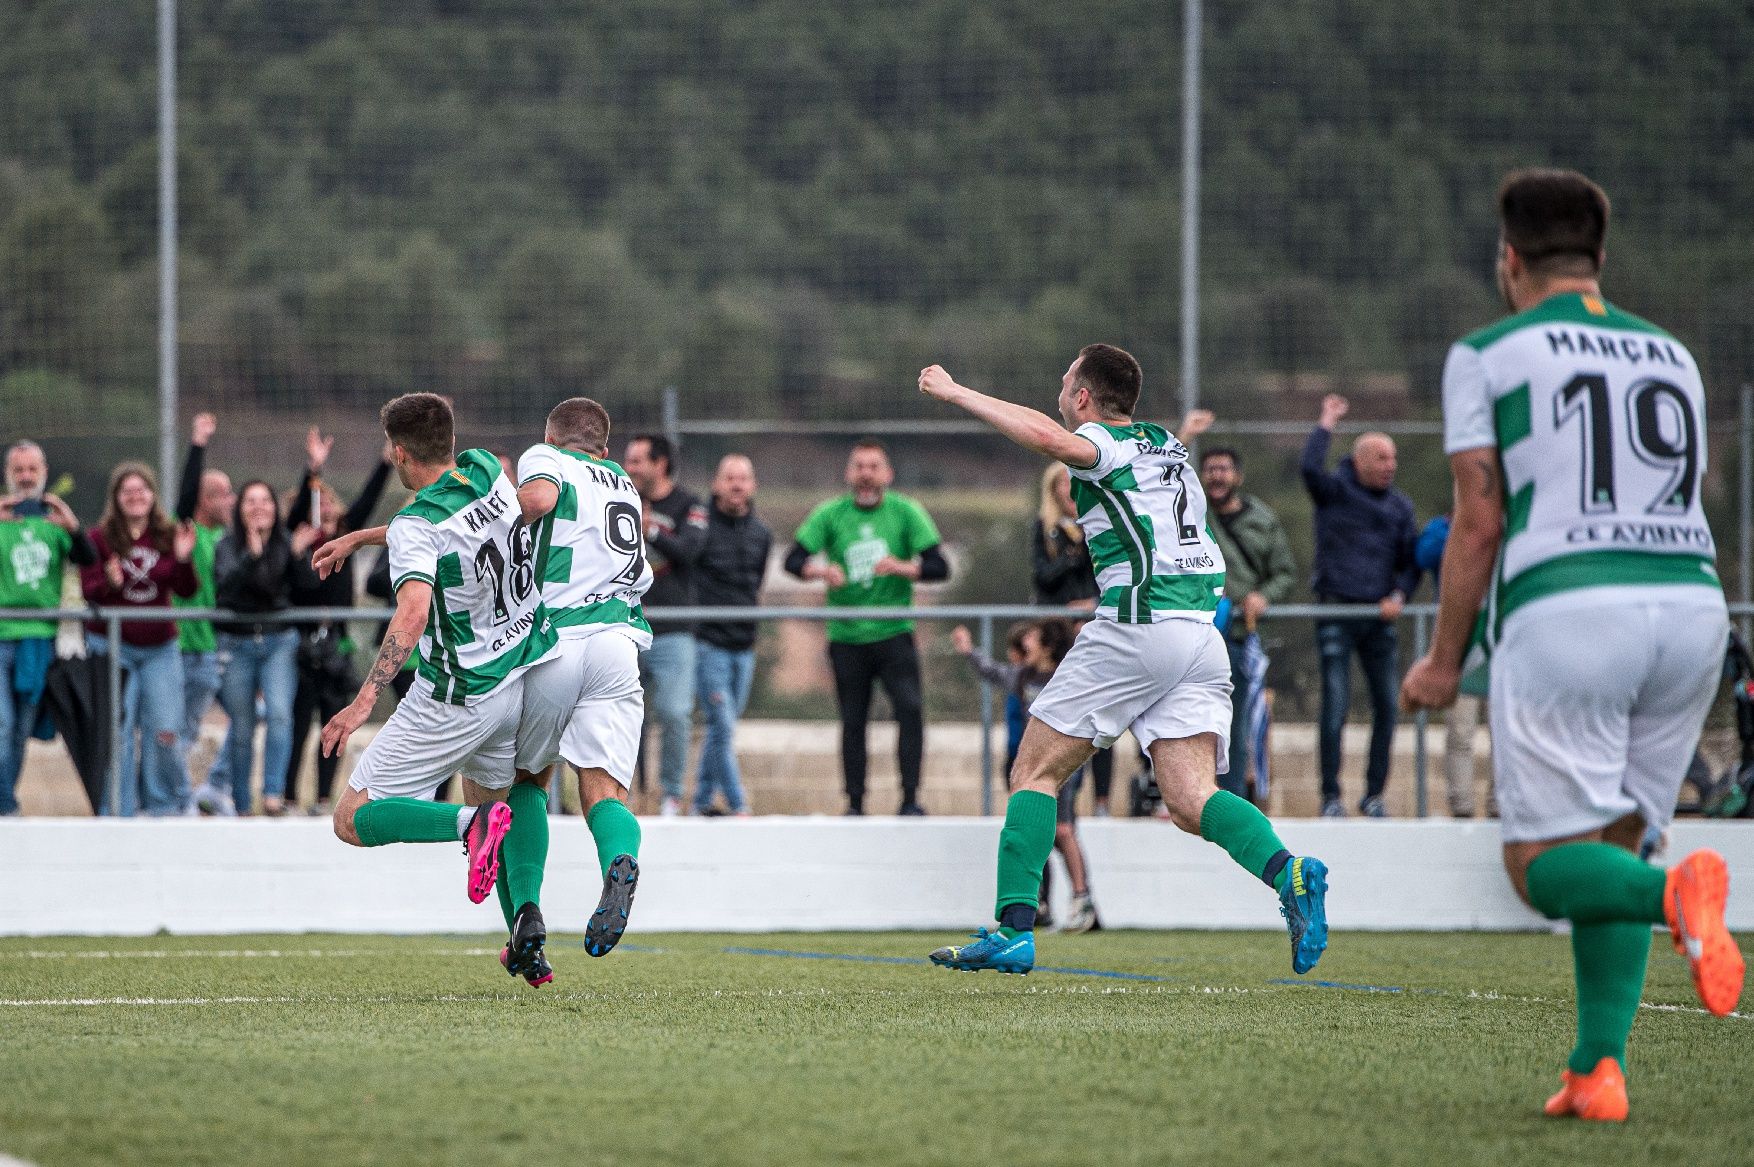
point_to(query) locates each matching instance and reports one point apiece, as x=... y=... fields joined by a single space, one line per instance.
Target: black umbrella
x=77 y=696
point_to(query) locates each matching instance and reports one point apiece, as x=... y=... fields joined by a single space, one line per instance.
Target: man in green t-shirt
x=38 y=534
x=205 y=497
x=874 y=545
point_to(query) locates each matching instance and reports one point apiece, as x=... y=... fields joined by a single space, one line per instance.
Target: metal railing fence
x=984 y=616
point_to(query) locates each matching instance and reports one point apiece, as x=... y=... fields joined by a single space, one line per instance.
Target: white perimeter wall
x=111 y=877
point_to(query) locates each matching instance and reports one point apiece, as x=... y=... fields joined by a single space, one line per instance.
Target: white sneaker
x=670 y=808
x=1082 y=915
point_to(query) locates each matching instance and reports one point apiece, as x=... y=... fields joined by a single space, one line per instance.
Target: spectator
x=253 y=566
x=38 y=535
x=204 y=498
x=326 y=679
x=728 y=575
x=875 y=544
x=675 y=530
x=1363 y=555
x=1259 y=572
x=1064 y=577
x=1036 y=650
x=1463 y=718
x=141 y=560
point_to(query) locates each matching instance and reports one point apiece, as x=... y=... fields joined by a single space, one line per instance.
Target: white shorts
x=1165 y=680
x=1597 y=700
x=426 y=741
x=584 y=704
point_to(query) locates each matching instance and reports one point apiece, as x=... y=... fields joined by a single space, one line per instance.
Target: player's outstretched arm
x=412 y=603
x=1468 y=560
x=536 y=498
x=1029 y=428
x=331 y=555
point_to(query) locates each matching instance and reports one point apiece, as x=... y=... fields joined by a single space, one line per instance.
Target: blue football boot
x=1302 y=902
x=990 y=950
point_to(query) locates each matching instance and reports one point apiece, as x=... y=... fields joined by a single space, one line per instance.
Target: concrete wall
x=73 y=876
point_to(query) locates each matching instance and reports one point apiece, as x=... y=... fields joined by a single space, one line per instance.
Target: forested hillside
x=787 y=206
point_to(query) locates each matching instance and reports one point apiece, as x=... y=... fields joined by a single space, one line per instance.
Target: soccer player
x=1151 y=661
x=585 y=705
x=1576 y=435
x=462 y=565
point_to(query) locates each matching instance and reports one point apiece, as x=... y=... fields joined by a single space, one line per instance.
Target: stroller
x=1731 y=794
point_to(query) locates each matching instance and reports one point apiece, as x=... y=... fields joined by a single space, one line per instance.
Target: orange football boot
x=1693 y=903
x=1598 y=1096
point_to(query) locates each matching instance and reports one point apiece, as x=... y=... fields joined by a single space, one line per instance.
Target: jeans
x=1375 y=643
x=268 y=662
x=152 y=707
x=17 y=716
x=722 y=681
x=1237 y=781
x=896 y=663
x=200 y=687
x=667 y=671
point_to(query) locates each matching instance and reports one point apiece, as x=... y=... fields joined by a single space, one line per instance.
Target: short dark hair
x=1112 y=376
x=1554 y=219
x=1212 y=452
x=422 y=424
x=871 y=444
x=581 y=423
x=658 y=446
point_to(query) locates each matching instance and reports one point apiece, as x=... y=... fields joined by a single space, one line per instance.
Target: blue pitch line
x=865 y=959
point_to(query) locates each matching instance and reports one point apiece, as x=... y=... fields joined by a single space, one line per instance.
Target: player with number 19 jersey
x=1605 y=622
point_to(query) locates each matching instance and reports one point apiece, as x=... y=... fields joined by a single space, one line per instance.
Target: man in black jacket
x=728 y=574
x=1365 y=538
x=675 y=530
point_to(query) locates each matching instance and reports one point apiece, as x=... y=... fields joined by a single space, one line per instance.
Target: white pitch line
x=230 y=953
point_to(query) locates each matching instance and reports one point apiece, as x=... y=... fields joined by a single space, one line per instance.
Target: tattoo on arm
x=1485 y=476
x=391 y=657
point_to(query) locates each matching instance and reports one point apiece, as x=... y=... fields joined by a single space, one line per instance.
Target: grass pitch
x=695 y=1049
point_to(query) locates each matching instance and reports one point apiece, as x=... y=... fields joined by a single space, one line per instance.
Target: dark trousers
x=320 y=694
x=1375 y=643
x=896 y=664
x=1237 y=781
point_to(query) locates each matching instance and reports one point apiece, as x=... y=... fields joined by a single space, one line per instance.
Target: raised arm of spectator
x=360 y=513
x=189 y=488
x=1323 y=485
x=80 y=548
x=1001 y=675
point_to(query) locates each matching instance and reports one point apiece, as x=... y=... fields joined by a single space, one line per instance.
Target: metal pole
x=167 y=240
x=1190 y=340
x=1746 y=493
x=673 y=418
x=1420 y=721
x=113 y=792
x=986 y=721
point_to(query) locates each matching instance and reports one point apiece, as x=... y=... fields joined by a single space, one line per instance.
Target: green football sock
x=525 y=850
x=1609 y=959
x=406 y=820
x=1596 y=883
x=615 y=830
x=1238 y=826
x=1024 y=844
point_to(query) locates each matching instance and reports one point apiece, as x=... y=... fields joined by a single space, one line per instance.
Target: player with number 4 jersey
x=1580 y=562
x=586 y=706
x=462 y=568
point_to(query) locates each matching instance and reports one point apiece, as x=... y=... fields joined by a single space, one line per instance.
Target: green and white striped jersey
x=590 y=549
x=465 y=536
x=1144 y=518
x=1598 y=418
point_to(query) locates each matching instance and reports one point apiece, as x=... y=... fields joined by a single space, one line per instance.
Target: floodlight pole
x=167 y=241
x=1190 y=341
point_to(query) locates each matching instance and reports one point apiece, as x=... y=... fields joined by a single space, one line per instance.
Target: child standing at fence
x=1036 y=650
